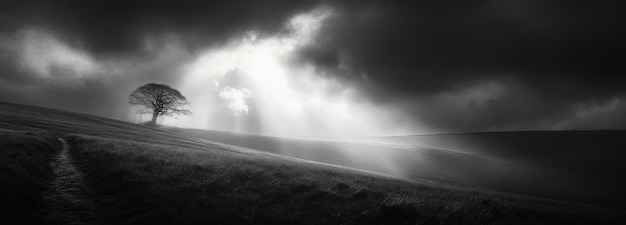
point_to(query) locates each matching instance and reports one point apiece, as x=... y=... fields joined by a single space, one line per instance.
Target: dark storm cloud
x=559 y=53
x=440 y=43
x=104 y=27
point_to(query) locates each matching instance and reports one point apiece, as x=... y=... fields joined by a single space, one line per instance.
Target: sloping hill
x=582 y=166
x=595 y=153
x=140 y=175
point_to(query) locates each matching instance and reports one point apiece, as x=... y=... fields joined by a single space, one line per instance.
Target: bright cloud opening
x=252 y=84
x=235 y=98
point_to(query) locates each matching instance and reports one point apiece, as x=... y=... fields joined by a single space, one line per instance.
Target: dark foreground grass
x=140 y=183
x=24 y=175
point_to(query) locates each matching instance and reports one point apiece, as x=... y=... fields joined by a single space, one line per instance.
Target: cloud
x=305 y=27
x=34 y=55
x=44 y=55
x=597 y=115
x=411 y=54
x=202 y=23
x=259 y=76
x=252 y=55
x=235 y=98
x=430 y=47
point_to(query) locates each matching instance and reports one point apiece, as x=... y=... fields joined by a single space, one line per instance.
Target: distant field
x=142 y=175
x=582 y=166
x=595 y=153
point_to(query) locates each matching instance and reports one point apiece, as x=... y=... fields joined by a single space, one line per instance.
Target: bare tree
x=159 y=99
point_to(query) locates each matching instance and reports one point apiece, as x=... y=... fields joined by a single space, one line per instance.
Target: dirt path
x=66 y=200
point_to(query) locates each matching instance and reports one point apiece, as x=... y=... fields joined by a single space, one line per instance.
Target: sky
x=325 y=68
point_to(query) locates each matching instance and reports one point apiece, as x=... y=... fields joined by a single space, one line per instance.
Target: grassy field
x=581 y=166
x=142 y=175
x=594 y=153
x=24 y=175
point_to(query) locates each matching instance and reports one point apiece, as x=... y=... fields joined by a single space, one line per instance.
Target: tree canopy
x=159 y=99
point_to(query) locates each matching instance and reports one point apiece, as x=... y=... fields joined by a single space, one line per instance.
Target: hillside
x=595 y=153
x=132 y=174
x=581 y=166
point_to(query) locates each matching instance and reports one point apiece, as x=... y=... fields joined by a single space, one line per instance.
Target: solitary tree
x=159 y=99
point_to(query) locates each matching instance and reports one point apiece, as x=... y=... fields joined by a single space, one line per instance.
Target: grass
x=144 y=183
x=142 y=175
x=24 y=175
x=571 y=166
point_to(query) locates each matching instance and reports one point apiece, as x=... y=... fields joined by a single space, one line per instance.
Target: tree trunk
x=154 y=118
